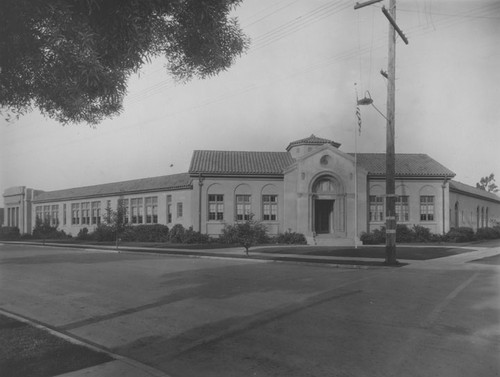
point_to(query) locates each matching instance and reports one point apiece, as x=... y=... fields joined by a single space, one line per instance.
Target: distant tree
x=247 y=233
x=117 y=219
x=72 y=58
x=487 y=183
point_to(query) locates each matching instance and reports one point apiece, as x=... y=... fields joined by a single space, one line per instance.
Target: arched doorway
x=328 y=203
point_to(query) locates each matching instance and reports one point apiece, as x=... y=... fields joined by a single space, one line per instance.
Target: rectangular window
x=427 y=208
x=179 y=209
x=46 y=213
x=243 y=207
x=152 y=210
x=169 y=209
x=376 y=208
x=215 y=207
x=64 y=215
x=38 y=211
x=54 y=218
x=85 y=213
x=269 y=207
x=136 y=205
x=75 y=213
x=108 y=211
x=124 y=203
x=402 y=209
x=96 y=213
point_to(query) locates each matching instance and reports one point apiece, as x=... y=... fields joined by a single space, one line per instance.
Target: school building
x=312 y=187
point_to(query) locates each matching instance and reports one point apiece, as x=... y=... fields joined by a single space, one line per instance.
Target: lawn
x=29 y=351
x=402 y=252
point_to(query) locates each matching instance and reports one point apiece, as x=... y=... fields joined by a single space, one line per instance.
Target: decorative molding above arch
x=326 y=183
x=214 y=188
x=269 y=189
x=427 y=190
x=243 y=189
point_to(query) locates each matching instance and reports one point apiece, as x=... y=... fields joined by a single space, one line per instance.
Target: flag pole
x=358 y=115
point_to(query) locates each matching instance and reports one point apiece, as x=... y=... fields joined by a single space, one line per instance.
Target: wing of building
x=311 y=187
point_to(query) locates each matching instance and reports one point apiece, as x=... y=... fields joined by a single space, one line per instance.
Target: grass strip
x=29 y=351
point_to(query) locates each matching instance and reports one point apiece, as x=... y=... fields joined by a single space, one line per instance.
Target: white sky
x=297 y=79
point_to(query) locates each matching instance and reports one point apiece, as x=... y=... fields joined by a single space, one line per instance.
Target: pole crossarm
x=365 y=4
x=394 y=25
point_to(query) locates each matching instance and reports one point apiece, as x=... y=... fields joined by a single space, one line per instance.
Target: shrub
x=404 y=234
x=246 y=234
x=176 y=234
x=488 y=233
x=376 y=237
x=145 y=233
x=462 y=234
x=422 y=233
x=191 y=236
x=290 y=238
x=83 y=234
x=9 y=233
x=103 y=233
x=43 y=230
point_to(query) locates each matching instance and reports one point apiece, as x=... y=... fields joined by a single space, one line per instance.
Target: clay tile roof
x=167 y=182
x=312 y=140
x=462 y=187
x=239 y=163
x=407 y=164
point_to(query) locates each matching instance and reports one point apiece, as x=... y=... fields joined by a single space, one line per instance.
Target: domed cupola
x=300 y=147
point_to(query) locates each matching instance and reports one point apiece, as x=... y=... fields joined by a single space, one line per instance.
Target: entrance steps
x=330 y=240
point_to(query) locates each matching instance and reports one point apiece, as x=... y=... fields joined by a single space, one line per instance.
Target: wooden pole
x=390 y=246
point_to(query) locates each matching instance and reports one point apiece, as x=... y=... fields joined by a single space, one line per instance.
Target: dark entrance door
x=323 y=215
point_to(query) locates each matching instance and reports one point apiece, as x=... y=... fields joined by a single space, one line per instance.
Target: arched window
x=486 y=217
x=482 y=217
x=326 y=185
x=477 y=217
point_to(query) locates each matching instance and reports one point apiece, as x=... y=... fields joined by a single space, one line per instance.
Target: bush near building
x=44 y=230
x=289 y=238
x=237 y=234
x=9 y=233
x=420 y=233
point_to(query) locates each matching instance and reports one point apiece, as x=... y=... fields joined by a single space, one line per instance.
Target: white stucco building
x=311 y=187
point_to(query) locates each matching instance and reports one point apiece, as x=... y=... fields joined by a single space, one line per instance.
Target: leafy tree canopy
x=72 y=58
x=487 y=183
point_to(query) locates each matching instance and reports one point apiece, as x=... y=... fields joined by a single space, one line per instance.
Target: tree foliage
x=72 y=58
x=116 y=219
x=487 y=183
x=247 y=233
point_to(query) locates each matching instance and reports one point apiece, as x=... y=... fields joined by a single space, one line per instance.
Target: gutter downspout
x=443 y=186
x=200 y=184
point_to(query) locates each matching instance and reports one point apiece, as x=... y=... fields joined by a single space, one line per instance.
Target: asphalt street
x=234 y=317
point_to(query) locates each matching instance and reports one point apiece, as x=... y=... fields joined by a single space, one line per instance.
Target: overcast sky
x=297 y=79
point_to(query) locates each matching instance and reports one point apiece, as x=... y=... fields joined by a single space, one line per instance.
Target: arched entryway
x=327 y=205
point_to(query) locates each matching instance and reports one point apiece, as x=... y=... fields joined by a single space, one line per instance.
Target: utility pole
x=390 y=163
x=390 y=182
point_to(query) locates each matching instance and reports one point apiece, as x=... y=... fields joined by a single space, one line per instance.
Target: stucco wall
x=472 y=212
x=230 y=187
x=414 y=188
x=178 y=196
x=323 y=162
